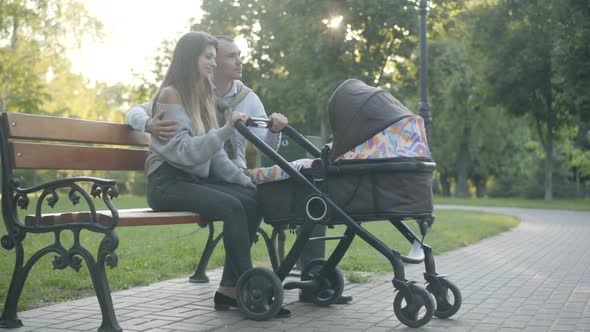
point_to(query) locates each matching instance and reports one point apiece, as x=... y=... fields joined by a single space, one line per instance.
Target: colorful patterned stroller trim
x=405 y=138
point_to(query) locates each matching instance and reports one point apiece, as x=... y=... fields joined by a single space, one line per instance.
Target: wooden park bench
x=39 y=142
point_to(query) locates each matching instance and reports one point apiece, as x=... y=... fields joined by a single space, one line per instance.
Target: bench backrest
x=37 y=142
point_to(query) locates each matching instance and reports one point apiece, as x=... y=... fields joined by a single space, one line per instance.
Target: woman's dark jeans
x=170 y=189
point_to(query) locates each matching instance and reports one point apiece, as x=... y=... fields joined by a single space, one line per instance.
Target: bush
x=532 y=185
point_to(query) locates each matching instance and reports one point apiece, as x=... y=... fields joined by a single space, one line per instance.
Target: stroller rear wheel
x=331 y=283
x=259 y=293
x=414 y=309
x=448 y=298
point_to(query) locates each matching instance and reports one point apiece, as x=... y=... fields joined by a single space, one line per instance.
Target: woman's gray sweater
x=196 y=155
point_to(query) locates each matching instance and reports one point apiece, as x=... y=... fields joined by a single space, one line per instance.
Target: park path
x=535 y=277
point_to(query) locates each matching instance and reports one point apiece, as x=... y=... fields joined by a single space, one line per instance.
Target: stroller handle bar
x=289 y=131
x=269 y=152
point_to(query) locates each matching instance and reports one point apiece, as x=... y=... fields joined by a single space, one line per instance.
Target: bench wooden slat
x=127 y=218
x=50 y=128
x=75 y=157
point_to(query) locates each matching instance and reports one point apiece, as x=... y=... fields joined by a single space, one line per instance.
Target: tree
x=149 y=82
x=34 y=35
x=301 y=50
x=522 y=41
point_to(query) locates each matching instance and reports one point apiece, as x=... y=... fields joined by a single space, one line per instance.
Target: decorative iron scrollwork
x=22 y=200
x=66 y=259
x=74 y=198
x=76 y=193
x=14 y=182
x=111 y=259
x=107 y=248
x=59 y=263
x=96 y=190
x=17 y=234
x=7 y=242
x=51 y=200
x=112 y=191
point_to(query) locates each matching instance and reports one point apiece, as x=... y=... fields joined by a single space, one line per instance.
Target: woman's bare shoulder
x=169 y=95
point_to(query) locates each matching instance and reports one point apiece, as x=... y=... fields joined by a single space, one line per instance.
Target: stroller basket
x=366 y=190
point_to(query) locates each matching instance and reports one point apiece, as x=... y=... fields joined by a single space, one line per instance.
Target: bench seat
x=127 y=217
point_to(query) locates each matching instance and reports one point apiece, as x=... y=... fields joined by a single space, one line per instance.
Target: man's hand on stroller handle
x=278 y=122
x=275 y=123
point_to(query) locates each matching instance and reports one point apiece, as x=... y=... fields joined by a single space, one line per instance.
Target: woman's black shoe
x=283 y=313
x=224 y=302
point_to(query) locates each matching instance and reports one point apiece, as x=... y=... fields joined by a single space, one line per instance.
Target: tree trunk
x=480 y=185
x=577 y=179
x=445 y=185
x=13 y=41
x=549 y=163
x=462 y=186
x=551 y=121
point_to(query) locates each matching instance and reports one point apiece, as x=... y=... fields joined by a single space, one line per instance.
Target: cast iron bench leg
x=103 y=294
x=200 y=275
x=9 y=317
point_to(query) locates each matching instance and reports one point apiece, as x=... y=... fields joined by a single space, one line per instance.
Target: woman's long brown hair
x=183 y=74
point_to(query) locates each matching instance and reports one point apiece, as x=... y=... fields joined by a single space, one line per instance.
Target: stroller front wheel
x=414 y=309
x=448 y=298
x=259 y=293
x=331 y=283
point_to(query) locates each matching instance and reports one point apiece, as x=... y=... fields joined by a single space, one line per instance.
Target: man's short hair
x=224 y=38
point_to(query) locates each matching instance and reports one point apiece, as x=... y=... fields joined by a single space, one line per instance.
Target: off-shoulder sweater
x=195 y=154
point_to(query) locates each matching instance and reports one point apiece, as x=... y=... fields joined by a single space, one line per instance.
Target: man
x=229 y=88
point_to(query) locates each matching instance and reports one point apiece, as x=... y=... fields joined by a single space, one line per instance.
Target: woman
x=191 y=171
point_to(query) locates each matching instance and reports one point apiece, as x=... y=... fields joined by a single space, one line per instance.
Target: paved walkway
x=533 y=278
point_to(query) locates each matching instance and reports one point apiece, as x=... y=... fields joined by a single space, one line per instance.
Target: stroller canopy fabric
x=358 y=111
x=405 y=138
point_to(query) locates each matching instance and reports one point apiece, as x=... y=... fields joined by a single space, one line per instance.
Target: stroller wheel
x=448 y=298
x=331 y=283
x=414 y=309
x=259 y=293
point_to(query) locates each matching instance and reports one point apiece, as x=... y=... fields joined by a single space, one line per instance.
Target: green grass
x=578 y=204
x=150 y=254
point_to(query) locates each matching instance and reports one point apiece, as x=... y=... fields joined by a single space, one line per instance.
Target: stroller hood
x=358 y=111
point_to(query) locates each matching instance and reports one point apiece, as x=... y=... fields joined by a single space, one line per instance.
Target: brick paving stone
x=571 y=328
x=486 y=327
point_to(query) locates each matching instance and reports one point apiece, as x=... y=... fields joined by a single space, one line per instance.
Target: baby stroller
x=377 y=168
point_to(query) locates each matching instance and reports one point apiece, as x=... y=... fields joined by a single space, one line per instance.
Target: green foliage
x=298 y=55
x=530 y=47
x=149 y=82
x=495 y=65
x=34 y=36
x=36 y=77
x=469 y=136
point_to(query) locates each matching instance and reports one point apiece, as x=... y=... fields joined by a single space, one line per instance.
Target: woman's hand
x=251 y=185
x=237 y=116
